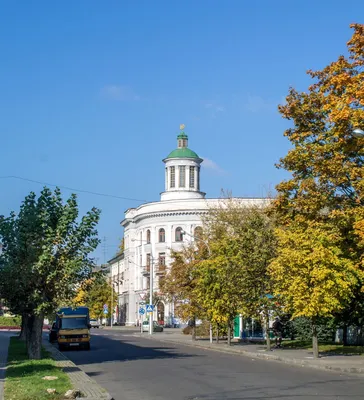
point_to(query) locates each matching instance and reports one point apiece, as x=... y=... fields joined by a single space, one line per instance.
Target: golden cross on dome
x=181 y=127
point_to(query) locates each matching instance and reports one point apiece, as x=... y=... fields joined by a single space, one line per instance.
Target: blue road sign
x=150 y=307
x=141 y=311
x=106 y=309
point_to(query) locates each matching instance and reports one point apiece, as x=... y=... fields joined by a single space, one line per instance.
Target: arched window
x=148 y=236
x=162 y=235
x=179 y=236
x=197 y=233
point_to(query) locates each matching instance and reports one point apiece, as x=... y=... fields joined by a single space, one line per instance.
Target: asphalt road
x=133 y=368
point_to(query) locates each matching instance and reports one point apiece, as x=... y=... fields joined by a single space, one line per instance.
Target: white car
x=94 y=323
x=156 y=327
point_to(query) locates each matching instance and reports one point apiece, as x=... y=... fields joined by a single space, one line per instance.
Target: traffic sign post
x=141 y=312
x=149 y=308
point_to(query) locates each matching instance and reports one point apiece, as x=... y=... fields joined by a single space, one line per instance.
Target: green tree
x=94 y=293
x=45 y=255
x=121 y=247
x=235 y=278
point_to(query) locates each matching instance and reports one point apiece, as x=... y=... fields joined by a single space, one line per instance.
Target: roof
x=182 y=153
x=182 y=135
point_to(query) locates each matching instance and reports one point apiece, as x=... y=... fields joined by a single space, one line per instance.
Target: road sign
x=149 y=308
x=142 y=303
x=141 y=311
x=106 y=309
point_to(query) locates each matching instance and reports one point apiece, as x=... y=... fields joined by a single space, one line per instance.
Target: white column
x=177 y=176
x=187 y=177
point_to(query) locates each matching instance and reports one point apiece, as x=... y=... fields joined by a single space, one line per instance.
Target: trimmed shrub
x=10 y=321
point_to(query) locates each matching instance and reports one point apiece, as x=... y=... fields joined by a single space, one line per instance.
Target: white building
x=153 y=229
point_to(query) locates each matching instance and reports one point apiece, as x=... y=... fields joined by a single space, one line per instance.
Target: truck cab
x=73 y=328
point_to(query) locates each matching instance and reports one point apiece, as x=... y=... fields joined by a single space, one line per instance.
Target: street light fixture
x=209 y=250
x=358 y=133
x=150 y=284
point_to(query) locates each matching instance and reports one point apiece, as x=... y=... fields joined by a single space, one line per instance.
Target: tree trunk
x=194 y=328
x=266 y=320
x=345 y=335
x=315 y=348
x=34 y=336
x=24 y=322
x=217 y=334
x=229 y=334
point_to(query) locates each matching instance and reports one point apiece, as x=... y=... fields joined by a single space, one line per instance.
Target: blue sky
x=92 y=93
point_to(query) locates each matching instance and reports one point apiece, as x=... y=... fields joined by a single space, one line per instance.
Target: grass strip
x=24 y=377
x=325 y=348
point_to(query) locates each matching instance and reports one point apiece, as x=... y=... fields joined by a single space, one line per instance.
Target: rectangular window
x=192 y=177
x=173 y=177
x=182 y=176
x=148 y=261
x=162 y=259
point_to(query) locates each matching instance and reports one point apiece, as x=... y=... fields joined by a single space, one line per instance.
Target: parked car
x=94 y=323
x=53 y=331
x=156 y=327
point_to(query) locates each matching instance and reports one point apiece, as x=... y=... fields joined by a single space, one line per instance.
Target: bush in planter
x=187 y=330
x=10 y=321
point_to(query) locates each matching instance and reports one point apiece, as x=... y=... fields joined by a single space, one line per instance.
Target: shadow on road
x=105 y=349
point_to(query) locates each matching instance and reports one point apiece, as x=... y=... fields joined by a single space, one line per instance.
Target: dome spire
x=182 y=138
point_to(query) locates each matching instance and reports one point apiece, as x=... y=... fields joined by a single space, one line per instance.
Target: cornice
x=163 y=214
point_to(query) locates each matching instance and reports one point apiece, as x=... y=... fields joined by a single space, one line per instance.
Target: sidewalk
x=304 y=358
x=4 y=344
x=80 y=380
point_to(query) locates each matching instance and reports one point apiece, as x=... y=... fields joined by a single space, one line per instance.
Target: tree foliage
x=45 y=255
x=235 y=279
x=179 y=284
x=94 y=293
x=310 y=272
x=320 y=209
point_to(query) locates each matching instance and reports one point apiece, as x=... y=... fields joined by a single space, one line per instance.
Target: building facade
x=152 y=230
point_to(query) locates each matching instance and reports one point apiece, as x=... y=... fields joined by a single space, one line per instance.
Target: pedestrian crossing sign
x=149 y=308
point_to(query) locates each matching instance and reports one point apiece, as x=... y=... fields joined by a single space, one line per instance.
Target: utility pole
x=151 y=293
x=112 y=299
x=104 y=248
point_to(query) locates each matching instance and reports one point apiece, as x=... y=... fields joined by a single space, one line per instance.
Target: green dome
x=183 y=153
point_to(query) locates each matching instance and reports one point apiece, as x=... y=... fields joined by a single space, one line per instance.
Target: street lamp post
x=358 y=133
x=151 y=273
x=209 y=250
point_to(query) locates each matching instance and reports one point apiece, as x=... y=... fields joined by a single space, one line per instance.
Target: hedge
x=10 y=321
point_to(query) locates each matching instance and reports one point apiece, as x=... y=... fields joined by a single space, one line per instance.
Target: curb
x=267 y=357
x=89 y=388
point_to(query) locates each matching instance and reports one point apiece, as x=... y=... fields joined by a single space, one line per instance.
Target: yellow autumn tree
x=180 y=283
x=311 y=274
x=326 y=189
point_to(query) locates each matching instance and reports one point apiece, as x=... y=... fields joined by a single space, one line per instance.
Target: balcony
x=146 y=270
x=160 y=269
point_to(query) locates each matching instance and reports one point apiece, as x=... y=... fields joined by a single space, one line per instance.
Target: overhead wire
x=72 y=189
